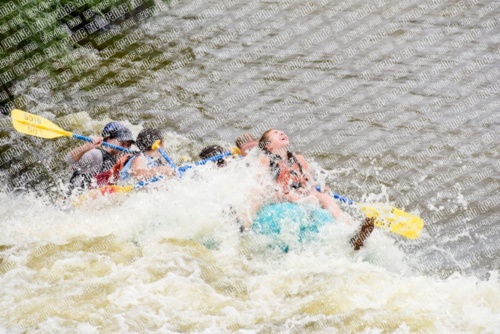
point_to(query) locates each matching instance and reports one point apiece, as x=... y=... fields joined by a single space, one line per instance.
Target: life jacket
x=111 y=176
x=78 y=180
x=125 y=172
x=288 y=173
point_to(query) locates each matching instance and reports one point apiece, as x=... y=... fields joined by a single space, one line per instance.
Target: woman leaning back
x=293 y=176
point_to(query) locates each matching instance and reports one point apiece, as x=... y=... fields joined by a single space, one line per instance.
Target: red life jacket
x=110 y=176
x=288 y=172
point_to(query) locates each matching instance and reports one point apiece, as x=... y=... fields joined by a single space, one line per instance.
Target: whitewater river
x=391 y=101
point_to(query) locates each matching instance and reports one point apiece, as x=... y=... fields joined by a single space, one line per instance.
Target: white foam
x=138 y=265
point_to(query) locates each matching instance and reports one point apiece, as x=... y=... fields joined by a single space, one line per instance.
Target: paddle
x=41 y=127
x=121 y=189
x=182 y=169
x=388 y=217
x=156 y=145
x=204 y=161
x=93 y=193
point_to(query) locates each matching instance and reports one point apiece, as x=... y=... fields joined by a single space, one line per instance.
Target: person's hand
x=364 y=232
x=96 y=142
x=77 y=153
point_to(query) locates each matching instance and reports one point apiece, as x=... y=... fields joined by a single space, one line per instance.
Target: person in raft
x=149 y=162
x=91 y=159
x=245 y=143
x=295 y=183
x=212 y=151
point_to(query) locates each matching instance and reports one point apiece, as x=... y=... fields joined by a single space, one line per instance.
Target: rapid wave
x=172 y=259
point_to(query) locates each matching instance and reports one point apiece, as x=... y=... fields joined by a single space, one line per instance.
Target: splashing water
x=171 y=259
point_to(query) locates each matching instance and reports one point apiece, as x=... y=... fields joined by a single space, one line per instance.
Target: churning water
x=392 y=101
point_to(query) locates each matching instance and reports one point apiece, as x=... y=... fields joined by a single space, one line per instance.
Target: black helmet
x=146 y=138
x=212 y=151
x=117 y=130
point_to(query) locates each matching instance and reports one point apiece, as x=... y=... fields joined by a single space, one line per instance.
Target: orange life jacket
x=288 y=172
x=110 y=176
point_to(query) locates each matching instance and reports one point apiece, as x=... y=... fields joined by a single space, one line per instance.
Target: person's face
x=115 y=141
x=247 y=147
x=125 y=144
x=276 y=140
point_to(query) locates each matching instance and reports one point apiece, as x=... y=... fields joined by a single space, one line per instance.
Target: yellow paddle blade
x=36 y=126
x=235 y=151
x=394 y=219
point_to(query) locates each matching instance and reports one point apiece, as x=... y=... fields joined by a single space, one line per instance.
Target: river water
x=391 y=101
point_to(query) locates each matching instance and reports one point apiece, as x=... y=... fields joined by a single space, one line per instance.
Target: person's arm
x=141 y=171
x=76 y=154
x=326 y=201
x=89 y=162
x=312 y=173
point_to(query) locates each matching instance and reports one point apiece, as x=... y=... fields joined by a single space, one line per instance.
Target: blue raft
x=303 y=221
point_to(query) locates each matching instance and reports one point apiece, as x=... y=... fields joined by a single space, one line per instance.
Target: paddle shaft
x=339 y=197
x=181 y=169
x=164 y=154
x=203 y=162
x=156 y=146
x=393 y=219
x=343 y=199
x=69 y=134
x=141 y=184
x=119 y=148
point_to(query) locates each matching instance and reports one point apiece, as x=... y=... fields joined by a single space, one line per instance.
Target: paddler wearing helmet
x=212 y=151
x=91 y=159
x=149 y=162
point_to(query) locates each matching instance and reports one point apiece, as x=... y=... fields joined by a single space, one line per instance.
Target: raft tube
x=303 y=221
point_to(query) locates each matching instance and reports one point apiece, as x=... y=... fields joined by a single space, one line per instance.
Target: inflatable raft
x=294 y=219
